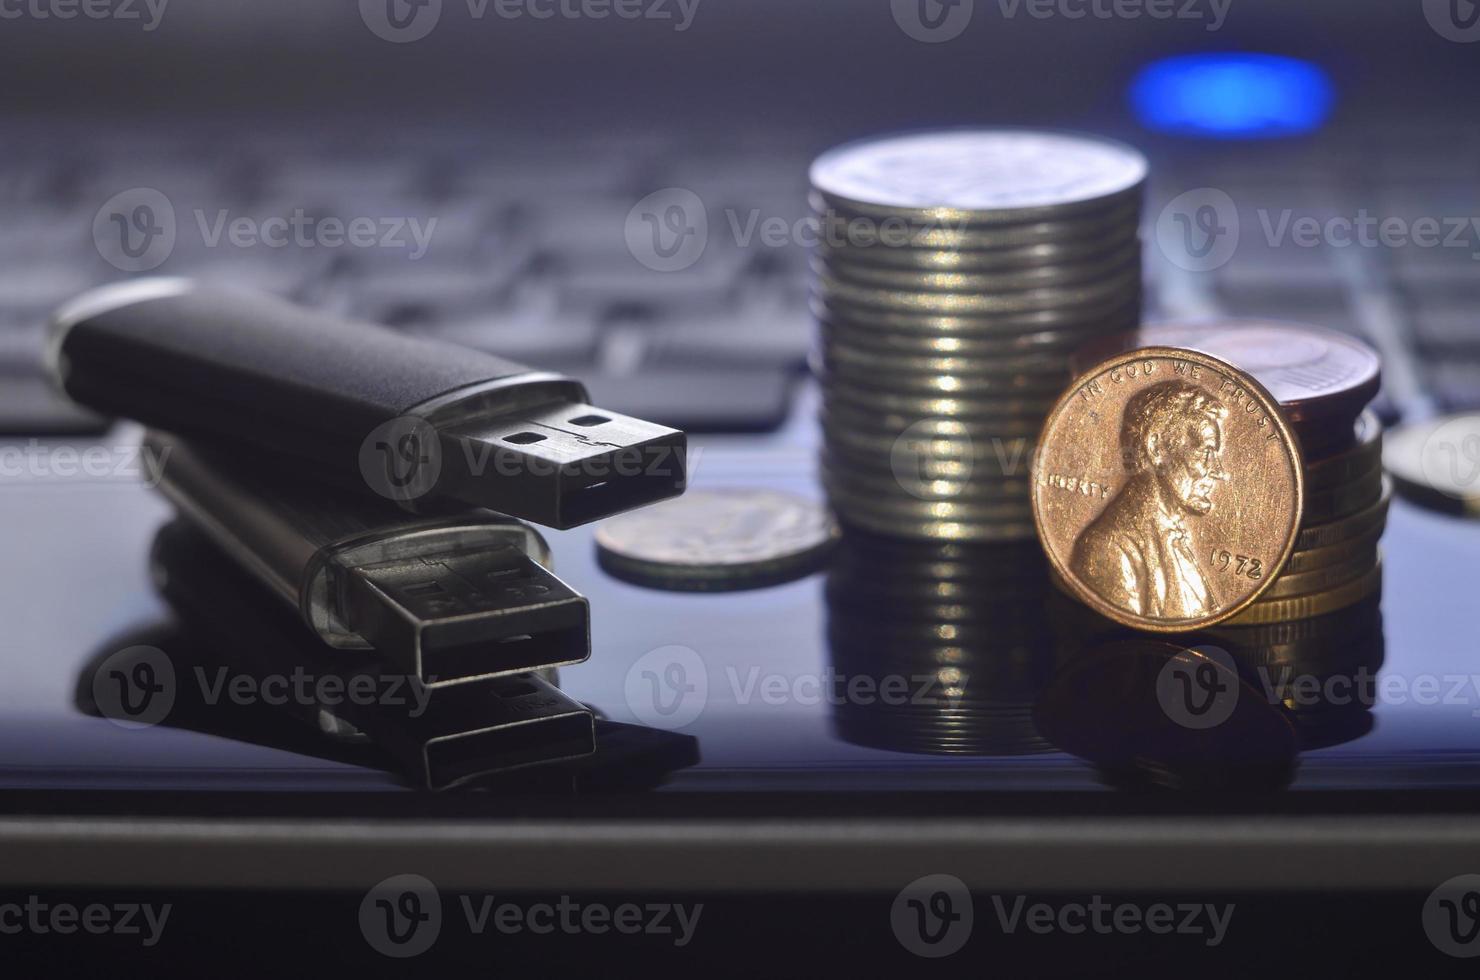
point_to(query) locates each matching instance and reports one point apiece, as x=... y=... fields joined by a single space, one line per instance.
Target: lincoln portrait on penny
x=1139 y=553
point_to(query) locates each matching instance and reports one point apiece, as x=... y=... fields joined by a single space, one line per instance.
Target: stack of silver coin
x=956 y=272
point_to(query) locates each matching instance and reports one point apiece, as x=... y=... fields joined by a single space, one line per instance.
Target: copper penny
x=1168 y=490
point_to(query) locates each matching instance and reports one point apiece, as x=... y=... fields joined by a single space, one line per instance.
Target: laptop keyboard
x=529 y=258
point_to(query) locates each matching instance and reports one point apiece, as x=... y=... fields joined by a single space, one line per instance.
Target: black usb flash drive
x=412 y=419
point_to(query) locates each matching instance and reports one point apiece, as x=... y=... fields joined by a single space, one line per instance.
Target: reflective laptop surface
x=801 y=687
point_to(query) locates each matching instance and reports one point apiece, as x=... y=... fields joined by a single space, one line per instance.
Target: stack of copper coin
x=955 y=274
x=1323 y=382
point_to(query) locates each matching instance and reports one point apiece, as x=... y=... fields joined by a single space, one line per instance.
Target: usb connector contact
x=562 y=464
x=413 y=419
x=462 y=615
x=447 y=598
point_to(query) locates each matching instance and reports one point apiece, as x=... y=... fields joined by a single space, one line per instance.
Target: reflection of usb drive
x=437 y=739
x=448 y=599
x=412 y=419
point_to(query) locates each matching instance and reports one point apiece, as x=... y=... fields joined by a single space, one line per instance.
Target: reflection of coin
x=1168 y=490
x=962 y=626
x=872 y=430
x=717 y=540
x=1437 y=463
x=1150 y=713
x=922 y=486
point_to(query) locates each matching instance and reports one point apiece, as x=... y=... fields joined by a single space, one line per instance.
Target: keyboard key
x=422 y=293
x=463 y=228
x=1322 y=303
x=282 y=272
x=719 y=400
x=1256 y=263
x=1425 y=272
x=590 y=224
x=755 y=336
x=30 y=405
x=1423 y=153
x=31 y=183
x=340 y=184
x=1448 y=331
x=29 y=292
x=188 y=190
x=530 y=180
x=1444 y=313
x=1456 y=384
x=22 y=345
x=53 y=233
x=540 y=339
x=622 y=285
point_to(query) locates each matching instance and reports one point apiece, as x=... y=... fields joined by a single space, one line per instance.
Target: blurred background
x=734 y=64
x=534 y=130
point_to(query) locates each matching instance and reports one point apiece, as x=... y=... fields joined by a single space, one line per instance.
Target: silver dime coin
x=1437 y=463
x=718 y=540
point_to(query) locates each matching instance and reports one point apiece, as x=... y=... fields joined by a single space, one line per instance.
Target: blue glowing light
x=1233 y=96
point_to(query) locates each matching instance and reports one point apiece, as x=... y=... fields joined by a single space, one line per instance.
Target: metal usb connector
x=562 y=464
x=435 y=739
x=468 y=614
x=446 y=598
